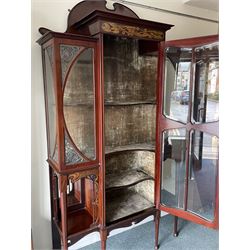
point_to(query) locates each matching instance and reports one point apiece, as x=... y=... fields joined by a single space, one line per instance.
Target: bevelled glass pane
x=67 y=53
x=51 y=102
x=203 y=165
x=206 y=88
x=173 y=167
x=79 y=107
x=177 y=83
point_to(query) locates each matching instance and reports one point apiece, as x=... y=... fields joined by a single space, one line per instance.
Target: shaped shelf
x=141 y=146
x=150 y=102
x=126 y=179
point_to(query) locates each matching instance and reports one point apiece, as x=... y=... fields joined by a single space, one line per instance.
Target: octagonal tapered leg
x=175 y=227
x=157 y=224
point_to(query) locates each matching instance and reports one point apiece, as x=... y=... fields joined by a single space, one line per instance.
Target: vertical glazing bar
x=159 y=110
x=190 y=109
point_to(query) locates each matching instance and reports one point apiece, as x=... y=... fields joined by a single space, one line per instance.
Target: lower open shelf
x=78 y=221
x=124 y=203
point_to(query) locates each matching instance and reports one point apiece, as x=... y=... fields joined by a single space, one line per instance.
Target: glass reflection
x=177 y=83
x=203 y=164
x=79 y=105
x=51 y=102
x=206 y=89
x=173 y=168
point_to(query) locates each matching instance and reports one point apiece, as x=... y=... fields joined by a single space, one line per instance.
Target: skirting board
x=94 y=237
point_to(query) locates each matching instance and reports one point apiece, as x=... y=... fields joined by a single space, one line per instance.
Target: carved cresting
x=126 y=30
x=93 y=176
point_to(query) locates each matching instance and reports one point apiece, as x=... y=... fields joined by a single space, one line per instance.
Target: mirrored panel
x=206 y=87
x=51 y=102
x=79 y=105
x=173 y=168
x=203 y=168
x=177 y=83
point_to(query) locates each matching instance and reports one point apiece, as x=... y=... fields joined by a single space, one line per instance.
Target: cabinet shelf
x=78 y=221
x=90 y=104
x=150 y=102
x=130 y=147
x=126 y=179
x=124 y=204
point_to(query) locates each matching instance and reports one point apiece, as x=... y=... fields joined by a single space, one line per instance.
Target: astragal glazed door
x=187 y=155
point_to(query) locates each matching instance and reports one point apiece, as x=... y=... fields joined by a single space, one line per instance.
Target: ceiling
x=205 y=4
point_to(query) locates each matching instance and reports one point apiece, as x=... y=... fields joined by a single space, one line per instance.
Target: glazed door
x=187 y=130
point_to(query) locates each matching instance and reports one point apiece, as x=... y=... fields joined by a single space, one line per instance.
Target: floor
x=191 y=237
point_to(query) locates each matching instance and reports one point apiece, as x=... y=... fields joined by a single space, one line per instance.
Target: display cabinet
x=131 y=127
x=100 y=93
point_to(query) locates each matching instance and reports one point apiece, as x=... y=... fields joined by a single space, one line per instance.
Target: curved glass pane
x=177 y=83
x=206 y=87
x=203 y=167
x=173 y=168
x=79 y=106
x=51 y=102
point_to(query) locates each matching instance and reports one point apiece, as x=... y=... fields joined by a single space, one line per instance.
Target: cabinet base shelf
x=78 y=221
x=125 y=203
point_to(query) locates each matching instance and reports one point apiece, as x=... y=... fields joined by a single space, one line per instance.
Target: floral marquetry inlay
x=126 y=30
x=67 y=53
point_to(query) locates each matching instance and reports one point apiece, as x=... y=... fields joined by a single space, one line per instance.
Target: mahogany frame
x=165 y=123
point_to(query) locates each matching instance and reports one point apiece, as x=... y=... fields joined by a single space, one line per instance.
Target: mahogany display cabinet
x=132 y=123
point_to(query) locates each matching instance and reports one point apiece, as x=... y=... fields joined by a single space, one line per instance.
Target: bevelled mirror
x=206 y=87
x=177 y=83
x=203 y=170
x=173 y=167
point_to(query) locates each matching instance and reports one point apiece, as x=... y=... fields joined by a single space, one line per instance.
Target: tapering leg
x=157 y=223
x=56 y=244
x=175 y=229
x=103 y=234
x=63 y=205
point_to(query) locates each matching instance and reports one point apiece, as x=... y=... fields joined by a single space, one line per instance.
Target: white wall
x=53 y=15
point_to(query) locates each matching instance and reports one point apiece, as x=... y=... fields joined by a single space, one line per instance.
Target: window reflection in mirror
x=177 y=83
x=206 y=87
x=173 y=168
x=203 y=167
